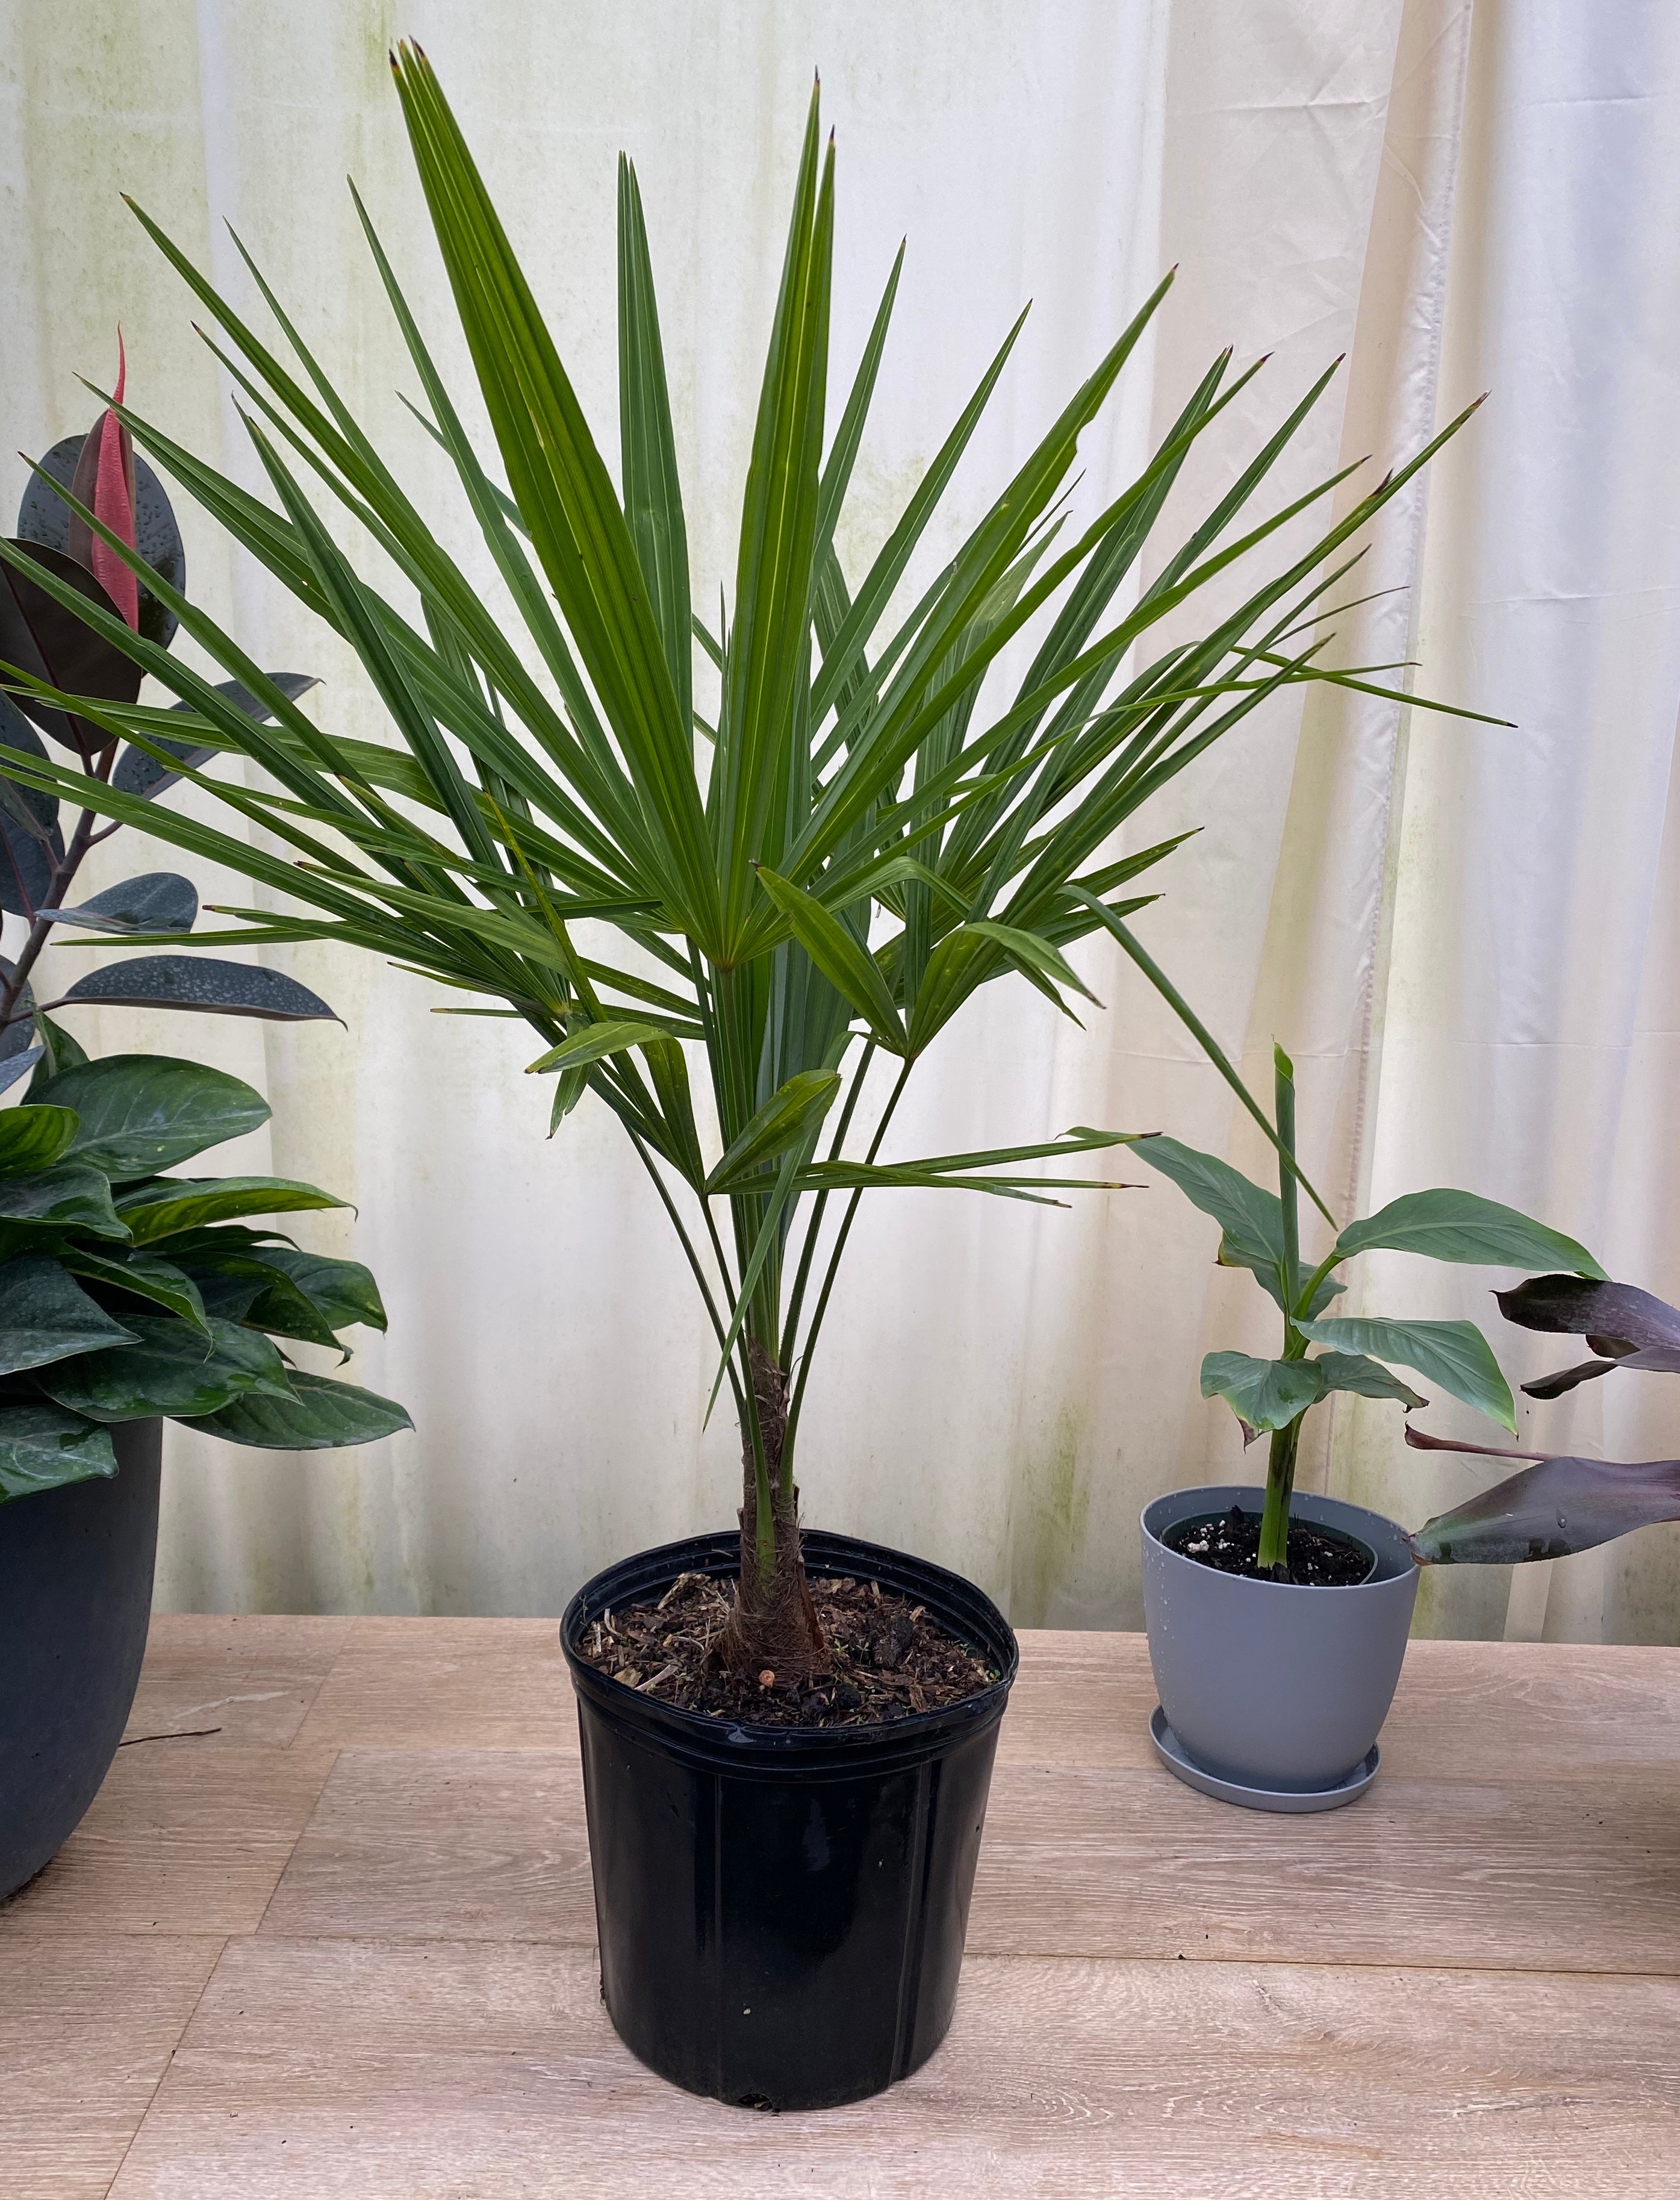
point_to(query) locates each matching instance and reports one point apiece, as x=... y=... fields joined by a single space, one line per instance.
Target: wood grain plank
x=86 y=2028
x=1476 y=1711
x=252 y=1676
x=446 y=1683
x=480 y=2072
x=491 y=1845
x=462 y=1845
x=1562 y=1876
x=183 y=1837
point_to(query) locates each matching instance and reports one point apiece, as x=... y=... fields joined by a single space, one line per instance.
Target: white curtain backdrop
x=1468 y=936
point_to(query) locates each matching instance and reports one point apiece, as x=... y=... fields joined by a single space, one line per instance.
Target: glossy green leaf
x=1263 y=1394
x=1453 y=1353
x=170 y=1369
x=159 y=1209
x=1459 y=1226
x=594 y=1042
x=144 y=1276
x=142 y=1112
x=33 y=1136
x=64 y=1197
x=42 y=1447
x=46 y=1315
x=343 y=1292
x=313 y=1414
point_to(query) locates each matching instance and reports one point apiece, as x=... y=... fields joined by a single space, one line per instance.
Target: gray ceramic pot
x=1274 y=1694
x=75 y=1603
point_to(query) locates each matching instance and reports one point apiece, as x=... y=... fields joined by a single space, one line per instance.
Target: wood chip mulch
x=887 y=1657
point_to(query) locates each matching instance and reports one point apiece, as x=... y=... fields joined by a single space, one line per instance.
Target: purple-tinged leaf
x=16 y=733
x=1548 y=1510
x=44 y=518
x=45 y=639
x=157 y=901
x=198 y=981
x=1625 y=1326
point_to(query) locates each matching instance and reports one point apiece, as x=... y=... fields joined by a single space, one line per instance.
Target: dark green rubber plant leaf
x=159 y=1209
x=157 y=901
x=318 y=1414
x=27 y=862
x=142 y=1113
x=171 y=1370
x=203 y=982
x=1551 y=1508
x=1459 y=1226
x=65 y=1197
x=33 y=1137
x=46 y=1315
x=343 y=1292
x=1263 y=1394
x=42 y=1447
x=1453 y=1353
x=142 y=1275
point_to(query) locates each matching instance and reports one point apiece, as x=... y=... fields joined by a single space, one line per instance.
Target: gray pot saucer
x=1179 y=1763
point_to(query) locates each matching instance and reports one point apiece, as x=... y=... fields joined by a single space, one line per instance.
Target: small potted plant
x=1278 y=1620
x=794 y=878
x=127 y=1295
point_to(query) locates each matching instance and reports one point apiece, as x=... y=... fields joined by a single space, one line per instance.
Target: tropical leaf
x=198 y=981
x=158 y=901
x=169 y=1368
x=135 y=1115
x=1459 y=1226
x=46 y=1315
x=172 y=1205
x=1453 y=1353
x=313 y=1415
x=42 y=1447
x=1546 y=1511
x=1263 y=1394
x=1249 y=1217
x=784 y=1120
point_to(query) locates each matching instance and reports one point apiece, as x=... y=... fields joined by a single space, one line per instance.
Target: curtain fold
x=1466 y=935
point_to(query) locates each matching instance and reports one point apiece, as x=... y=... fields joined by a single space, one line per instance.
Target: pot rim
x=1237 y=1584
x=956 y=1602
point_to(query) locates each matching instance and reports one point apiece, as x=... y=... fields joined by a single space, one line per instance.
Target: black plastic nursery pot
x=75 y=1603
x=781 y=1909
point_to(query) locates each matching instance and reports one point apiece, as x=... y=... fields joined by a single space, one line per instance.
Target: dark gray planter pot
x=1273 y=1694
x=75 y=1603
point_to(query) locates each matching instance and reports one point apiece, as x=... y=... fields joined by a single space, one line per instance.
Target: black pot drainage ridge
x=781 y=1909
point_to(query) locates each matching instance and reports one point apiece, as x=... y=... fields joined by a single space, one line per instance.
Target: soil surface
x=887 y=1657
x=1318 y=1558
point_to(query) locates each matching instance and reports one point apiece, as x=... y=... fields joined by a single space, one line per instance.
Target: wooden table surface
x=343 y=1945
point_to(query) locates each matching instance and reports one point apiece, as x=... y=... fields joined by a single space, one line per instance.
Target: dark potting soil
x=885 y=1658
x=1318 y=1558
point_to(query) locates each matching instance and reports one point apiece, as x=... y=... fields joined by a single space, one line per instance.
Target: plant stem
x=829 y=1278
x=1279 y=1483
x=796 y=1301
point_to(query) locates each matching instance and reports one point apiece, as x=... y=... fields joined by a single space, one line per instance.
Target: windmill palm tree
x=806 y=892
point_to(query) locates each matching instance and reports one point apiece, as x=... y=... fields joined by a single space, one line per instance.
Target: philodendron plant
x=796 y=887
x=127 y=1293
x=42 y=634
x=1562 y=1503
x=1323 y=1352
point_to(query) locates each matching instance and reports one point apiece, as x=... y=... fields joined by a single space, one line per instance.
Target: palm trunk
x=774 y=1628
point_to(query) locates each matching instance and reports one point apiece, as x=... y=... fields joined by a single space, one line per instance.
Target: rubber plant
x=1260 y=1230
x=1561 y=1503
x=127 y=1293
x=807 y=878
x=109 y=492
